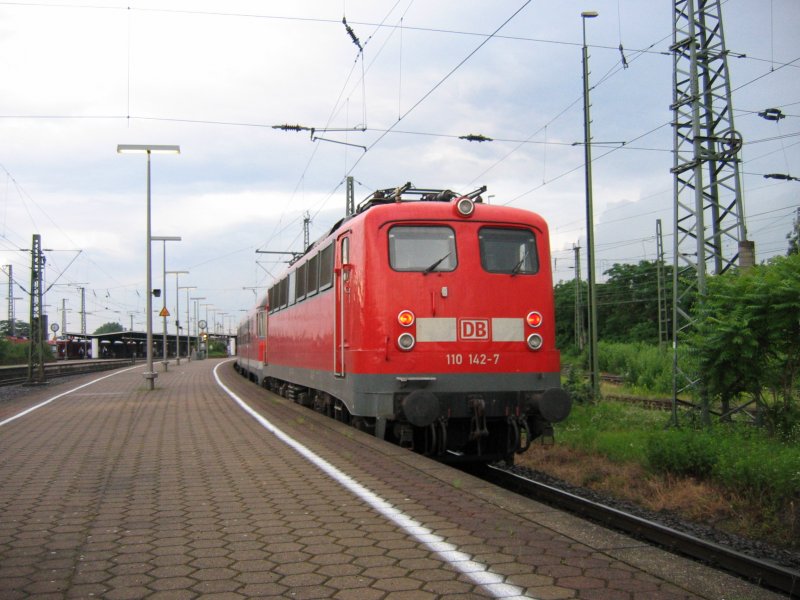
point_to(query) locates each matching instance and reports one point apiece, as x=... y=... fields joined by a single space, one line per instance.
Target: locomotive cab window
x=421 y=248
x=511 y=251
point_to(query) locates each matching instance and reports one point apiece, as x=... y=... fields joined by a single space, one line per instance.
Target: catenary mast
x=710 y=235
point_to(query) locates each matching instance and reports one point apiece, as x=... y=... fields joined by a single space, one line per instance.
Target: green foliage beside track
x=745 y=460
x=645 y=367
x=14 y=353
x=747 y=341
x=616 y=430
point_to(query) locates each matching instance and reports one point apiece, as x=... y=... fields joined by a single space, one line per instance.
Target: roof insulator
x=772 y=114
x=475 y=138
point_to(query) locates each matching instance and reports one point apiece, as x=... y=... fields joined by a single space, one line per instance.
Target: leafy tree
x=564 y=299
x=627 y=303
x=794 y=236
x=217 y=348
x=21 y=328
x=13 y=352
x=109 y=328
x=747 y=337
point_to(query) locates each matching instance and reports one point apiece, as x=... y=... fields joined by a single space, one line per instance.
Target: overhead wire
x=393 y=129
x=426 y=95
x=333 y=112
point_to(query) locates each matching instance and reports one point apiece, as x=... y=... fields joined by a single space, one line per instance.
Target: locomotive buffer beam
x=415 y=382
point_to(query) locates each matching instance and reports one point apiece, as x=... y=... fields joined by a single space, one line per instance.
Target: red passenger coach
x=426 y=318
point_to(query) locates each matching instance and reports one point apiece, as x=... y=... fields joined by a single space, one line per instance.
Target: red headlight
x=406 y=318
x=534 y=318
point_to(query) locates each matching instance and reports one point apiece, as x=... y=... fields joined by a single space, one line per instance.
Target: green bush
x=16 y=353
x=577 y=385
x=740 y=459
x=759 y=467
x=617 y=431
x=682 y=452
x=644 y=366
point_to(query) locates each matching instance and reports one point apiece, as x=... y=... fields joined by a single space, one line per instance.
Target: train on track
x=425 y=318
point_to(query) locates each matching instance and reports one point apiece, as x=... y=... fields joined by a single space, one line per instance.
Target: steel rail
x=17 y=374
x=765 y=573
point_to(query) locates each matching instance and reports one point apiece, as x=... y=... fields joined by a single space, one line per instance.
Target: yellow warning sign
x=164 y=312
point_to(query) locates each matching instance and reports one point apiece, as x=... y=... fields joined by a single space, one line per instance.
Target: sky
x=216 y=78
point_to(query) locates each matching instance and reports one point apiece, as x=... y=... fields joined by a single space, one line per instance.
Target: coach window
x=261 y=324
x=511 y=251
x=312 y=275
x=283 y=296
x=292 y=289
x=422 y=249
x=300 y=282
x=326 y=267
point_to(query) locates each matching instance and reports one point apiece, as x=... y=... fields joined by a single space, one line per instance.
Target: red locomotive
x=426 y=318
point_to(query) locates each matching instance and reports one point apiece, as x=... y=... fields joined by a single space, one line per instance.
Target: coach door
x=342 y=272
x=263 y=331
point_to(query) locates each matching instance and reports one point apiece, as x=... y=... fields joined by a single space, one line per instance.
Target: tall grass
x=644 y=366
x=744 y=460
x=737 y=457
x=16 y=353
x=617 y=431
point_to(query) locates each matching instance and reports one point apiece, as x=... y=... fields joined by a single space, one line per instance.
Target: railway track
x=765 y=573
x=18 y=374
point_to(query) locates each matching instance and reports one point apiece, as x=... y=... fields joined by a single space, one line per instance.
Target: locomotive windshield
x=509 y=251
x=425 y=249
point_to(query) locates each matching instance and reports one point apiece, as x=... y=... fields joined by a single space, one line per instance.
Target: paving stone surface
x=114 y=491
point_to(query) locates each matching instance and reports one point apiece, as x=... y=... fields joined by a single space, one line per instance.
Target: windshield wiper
x=436 y=264
x=518 y=267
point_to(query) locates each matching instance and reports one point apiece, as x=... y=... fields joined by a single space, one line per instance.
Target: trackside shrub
x=617 y=431
x=745 y=461
x=644 y=366
x=763 y=469
x=682 y=452
x=15 y=353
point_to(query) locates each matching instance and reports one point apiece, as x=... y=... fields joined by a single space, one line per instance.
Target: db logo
x=473 y=329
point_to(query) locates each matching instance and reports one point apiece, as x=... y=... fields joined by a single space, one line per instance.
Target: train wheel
x=442 y=423
x=512 y=442
x=431 y=445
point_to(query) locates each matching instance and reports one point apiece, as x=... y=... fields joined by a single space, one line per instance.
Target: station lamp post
x=196 y=300
x=177 y=315
x=188 y=320
x=164 y=311
x=149 y=374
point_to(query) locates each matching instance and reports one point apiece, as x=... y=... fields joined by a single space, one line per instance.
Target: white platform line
x=62 y=394
x=493 y=583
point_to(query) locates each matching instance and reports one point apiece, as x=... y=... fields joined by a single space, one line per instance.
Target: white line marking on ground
x=478 y=572
x=62 y=394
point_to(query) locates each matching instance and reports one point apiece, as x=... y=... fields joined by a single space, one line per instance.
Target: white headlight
x=535 y=341
x=465 y=207
x=406 y=341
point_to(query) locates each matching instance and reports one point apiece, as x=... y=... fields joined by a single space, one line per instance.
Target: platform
x=211 y=487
